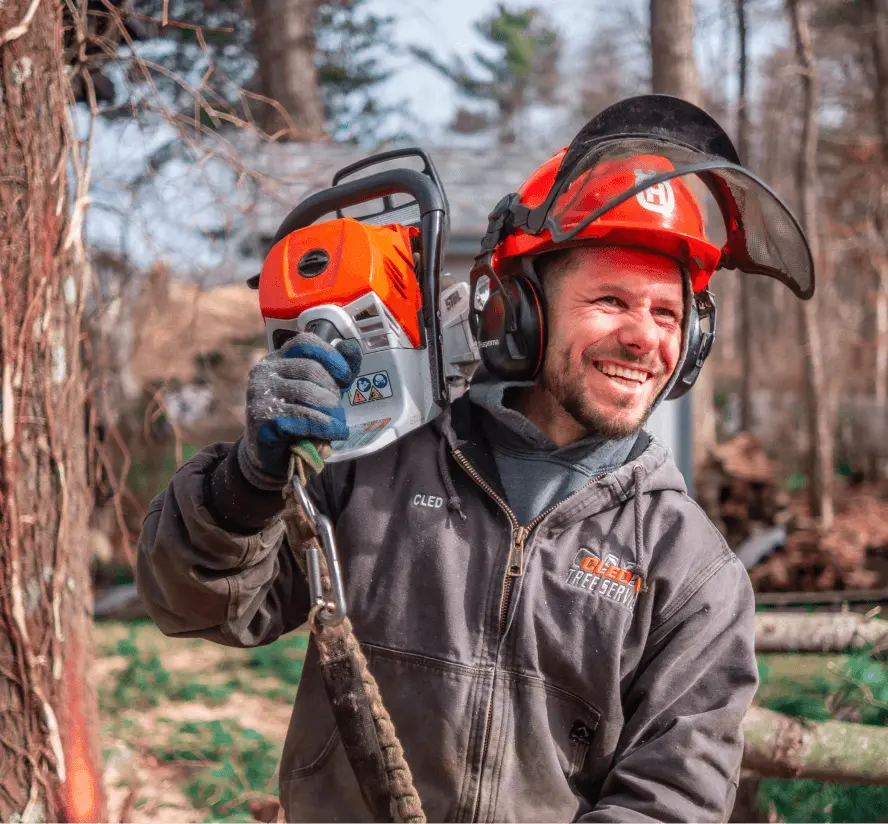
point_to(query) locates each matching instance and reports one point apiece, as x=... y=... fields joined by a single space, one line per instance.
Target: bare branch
x=22 y=28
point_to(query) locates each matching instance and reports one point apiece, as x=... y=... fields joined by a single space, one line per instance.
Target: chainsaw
x=375 y=276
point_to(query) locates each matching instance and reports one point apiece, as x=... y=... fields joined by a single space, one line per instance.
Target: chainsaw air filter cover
x=339 y=261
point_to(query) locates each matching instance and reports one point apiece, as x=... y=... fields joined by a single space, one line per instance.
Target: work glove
x=293 y=396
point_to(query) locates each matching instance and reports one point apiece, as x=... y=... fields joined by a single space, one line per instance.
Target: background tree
x=351 y=44
x=523 y=71
x=231 y=51
x=284 y=43
x=674 y=71
x=744 y=326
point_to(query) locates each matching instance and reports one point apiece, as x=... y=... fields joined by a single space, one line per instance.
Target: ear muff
x=703 y=309
x=514 y=355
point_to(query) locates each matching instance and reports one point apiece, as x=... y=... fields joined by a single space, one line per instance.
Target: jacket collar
x=654 y=468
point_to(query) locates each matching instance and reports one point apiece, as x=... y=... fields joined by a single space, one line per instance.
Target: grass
x=283 y=659
x=818 y=688
x=205 y=722
x=234 y=766
x=271 y=671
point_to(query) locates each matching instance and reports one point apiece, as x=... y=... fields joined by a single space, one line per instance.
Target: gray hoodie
x=535 y=472
x=594 y=664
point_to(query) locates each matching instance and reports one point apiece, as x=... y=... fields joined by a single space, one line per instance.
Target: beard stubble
x=568 y=387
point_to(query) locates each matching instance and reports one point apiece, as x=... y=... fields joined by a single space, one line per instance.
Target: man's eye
x=670 y=314
x=610 y=300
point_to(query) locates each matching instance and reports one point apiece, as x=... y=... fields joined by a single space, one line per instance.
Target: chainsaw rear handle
x=432 y=209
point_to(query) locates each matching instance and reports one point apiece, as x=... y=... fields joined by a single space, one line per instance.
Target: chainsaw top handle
x=395 y=154
x=429 y=197
x=432 y=204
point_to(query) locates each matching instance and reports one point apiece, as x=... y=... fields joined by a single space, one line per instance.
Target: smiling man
x=615 y=336
x=557 y=630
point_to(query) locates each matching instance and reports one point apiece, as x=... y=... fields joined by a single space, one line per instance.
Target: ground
x=191 y=731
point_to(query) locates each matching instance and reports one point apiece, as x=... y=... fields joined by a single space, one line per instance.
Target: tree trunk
x=878 y=33
x=779 y=746
x=818 y=412
x=673 y=68
x=48 y=754
x=284 y=43
x=745 y=324
x=881 y=365
x=818 y=632
x=674 y=71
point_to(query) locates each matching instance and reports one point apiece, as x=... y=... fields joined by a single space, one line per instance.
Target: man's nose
x=639 y=332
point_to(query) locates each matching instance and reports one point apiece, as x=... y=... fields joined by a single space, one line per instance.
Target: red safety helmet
x=665 y=218
x=625 y=180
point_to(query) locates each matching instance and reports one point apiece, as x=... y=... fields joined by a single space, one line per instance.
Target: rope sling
x=367 y=733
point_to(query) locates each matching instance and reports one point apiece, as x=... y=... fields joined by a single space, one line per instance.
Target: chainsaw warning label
x=368 y=388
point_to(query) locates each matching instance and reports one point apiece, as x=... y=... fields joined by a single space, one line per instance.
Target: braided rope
x=336 y=642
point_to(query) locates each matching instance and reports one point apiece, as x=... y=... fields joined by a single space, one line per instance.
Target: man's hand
x=293 y=394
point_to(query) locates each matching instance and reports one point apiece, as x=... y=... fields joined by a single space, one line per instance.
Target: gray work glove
x=293 y=395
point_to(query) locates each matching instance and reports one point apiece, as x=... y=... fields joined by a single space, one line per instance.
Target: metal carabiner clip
x=334 y=610
x=330 y=609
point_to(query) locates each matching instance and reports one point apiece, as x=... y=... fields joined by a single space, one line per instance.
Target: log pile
x=744 y=499
x=845 y=556
x=779 y=746
x=815 y=560
x=742 y=494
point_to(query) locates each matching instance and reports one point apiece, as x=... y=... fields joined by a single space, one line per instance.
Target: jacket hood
x=654 y=466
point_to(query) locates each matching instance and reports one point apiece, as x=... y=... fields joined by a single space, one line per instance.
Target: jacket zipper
x=514 y=569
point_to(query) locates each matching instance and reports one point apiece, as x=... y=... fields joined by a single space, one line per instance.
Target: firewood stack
x=839 y=558
x=739 y=491
x=818 y=560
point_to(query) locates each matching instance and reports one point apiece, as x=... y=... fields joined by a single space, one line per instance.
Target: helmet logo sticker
x=658 y=198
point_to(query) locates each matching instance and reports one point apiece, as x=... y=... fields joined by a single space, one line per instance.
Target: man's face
x=614 y=318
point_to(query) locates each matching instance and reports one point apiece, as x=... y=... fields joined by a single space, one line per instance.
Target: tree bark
x=881 y=364
x=878 y=33
x=49 y=763
x=745 y=324
x=818 y=632
x=819 y=426
x=674 y=71
x=284 y=42
x=673 y=68
x=779 y=746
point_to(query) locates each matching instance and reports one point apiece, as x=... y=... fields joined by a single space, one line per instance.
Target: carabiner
x=329 y=610
x=334 y=611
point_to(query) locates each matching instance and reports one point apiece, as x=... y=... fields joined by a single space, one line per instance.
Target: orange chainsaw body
x=339 y=261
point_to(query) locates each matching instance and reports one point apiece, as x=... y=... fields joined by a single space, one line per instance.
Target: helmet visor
x=699 y=203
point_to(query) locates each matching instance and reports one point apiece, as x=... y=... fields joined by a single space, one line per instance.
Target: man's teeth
x=614 y=371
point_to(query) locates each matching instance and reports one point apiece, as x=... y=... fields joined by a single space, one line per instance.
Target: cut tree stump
x=818 y=632
x=779 y=746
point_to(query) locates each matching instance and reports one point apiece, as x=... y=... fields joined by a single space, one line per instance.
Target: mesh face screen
x=649 y=182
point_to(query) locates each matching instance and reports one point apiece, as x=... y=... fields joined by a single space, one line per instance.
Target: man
x=557 y=630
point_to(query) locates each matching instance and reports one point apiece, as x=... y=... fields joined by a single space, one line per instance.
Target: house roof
x=474 y=180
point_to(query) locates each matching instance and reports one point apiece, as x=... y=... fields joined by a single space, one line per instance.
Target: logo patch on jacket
x=606 y=576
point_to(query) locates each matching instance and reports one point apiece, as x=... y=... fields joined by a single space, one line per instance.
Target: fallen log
x=818 y=632
x=779 y=746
